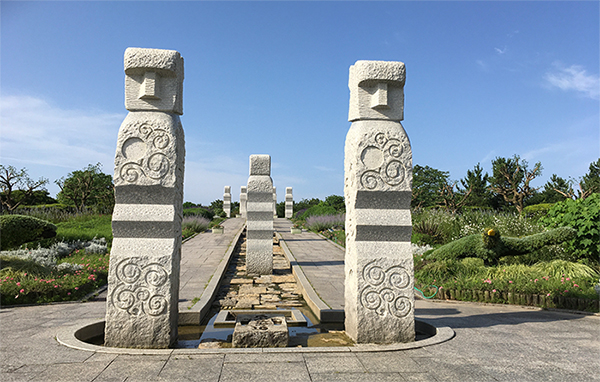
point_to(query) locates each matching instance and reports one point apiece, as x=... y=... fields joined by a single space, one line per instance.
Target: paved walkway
x=492 y=342
x=321 y=261
x=200 y=257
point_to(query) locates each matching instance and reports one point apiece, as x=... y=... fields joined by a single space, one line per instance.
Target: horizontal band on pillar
x=260 y=225
x=143 y=212
x=383 y=200
x=383 y=233
x=143 y=229
x=259 y=234
x=135 y=194
x=392 y=249
x=260 y=215
x=382 y=217
x=151 y=247
x=260 y=197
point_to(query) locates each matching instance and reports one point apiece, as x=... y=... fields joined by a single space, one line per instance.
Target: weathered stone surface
x=243 y=201
x=240 y=281
x=227 y=201
x=289 y=203
x=261 y=331
x=259 y=237
x=143 y=280
x=248 y=289
x=247 y=301
x=379 y=296
x=153 y=80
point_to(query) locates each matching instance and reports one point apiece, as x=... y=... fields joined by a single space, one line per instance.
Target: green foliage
x=556 y=190
x=590 y=183
x=584 y=216
x=23 y=281
x=18 y=229
x=198 y=211
x=216 y=206
x=318 y=210
x=85 y=227
x=477 y=181
x=303 y=205
x=511 y=179
x=491 y=246
x=427 y=182
x=89 y=187
x=337 y=202
x=428 y=231
x=536 y=211
x=280 y=208
x=17 y=188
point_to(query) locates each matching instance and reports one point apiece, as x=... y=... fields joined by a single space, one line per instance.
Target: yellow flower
x=491 y=232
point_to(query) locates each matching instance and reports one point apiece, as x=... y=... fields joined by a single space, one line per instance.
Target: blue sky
x=484 y=79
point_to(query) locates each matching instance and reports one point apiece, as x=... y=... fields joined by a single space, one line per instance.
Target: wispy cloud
x=326 y=169
x=33 y=131
x=501 y=51
x=573 y=78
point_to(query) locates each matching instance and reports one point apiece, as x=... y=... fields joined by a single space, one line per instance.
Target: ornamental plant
x=583 y=215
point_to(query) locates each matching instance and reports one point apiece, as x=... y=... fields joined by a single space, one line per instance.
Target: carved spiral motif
x=153 y=163
x=391 y=171
x=384 y=290
x=137 y=290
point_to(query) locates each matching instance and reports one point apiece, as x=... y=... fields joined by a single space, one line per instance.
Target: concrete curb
x=195 y=315
x=321 y=310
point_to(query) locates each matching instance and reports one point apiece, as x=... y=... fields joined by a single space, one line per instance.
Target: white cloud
x=575 y=78
x=501 y=51
x=33 y=131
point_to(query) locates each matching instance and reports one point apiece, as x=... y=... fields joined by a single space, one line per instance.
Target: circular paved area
x=492 y=343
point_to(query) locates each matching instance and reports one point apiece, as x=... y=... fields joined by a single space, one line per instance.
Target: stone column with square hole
x=243 y=201
x=143 y=279
x=227 y=201
x=259 y=221
x=379 y=296
x=289 y=203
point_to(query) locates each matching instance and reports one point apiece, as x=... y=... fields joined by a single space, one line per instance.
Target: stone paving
x=492 y=343
x=321 y=261
x=200 y=257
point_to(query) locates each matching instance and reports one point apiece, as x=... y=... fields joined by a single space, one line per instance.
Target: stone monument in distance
x=143 y=280
x=243 y=201
x=379 y=295
x=289 y=203
x=259 y=221
x=227 y=201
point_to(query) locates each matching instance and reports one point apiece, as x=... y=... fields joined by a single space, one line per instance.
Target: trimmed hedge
x=19 y=229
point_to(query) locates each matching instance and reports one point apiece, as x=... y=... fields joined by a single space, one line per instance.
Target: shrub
x=583 y=215
x=318 y=210
x=428 y=232
x=195 y=224
x=198 y=211
x=537 y=211
x=323 y=222
x=18 y=229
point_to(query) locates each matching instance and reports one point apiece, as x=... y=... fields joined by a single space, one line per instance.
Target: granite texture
x=289 y=203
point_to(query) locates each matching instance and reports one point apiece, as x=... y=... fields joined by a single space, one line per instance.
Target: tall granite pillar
x=259 y=223
x=143 y=279
x=289 y=203
x=379 y=296
x=275 y=202
x=243 y=201
x=227 y=201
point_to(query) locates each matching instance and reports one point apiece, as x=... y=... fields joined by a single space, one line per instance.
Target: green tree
x=13 y=180
x=89 y=187
x=511 y=179
x=305 y=204
x=427 y=183
x=590 y=183
x=453 y=201
x=337 y=202
x=477 y=181
x=556 y=190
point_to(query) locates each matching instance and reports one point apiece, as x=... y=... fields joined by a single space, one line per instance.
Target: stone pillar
x=227 y=201
x=289 y=203
x=275 y=202
x=379 y=295
x=243 y=201
x=143 y=279
x=259 y=225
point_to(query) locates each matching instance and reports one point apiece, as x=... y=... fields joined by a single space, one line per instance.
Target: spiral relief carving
x=137 y=290
x=145 y=154
x=383 y=292
x=389 y=170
